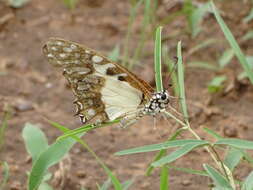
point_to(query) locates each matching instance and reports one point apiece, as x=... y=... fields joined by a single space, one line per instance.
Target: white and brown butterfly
x=104 y=90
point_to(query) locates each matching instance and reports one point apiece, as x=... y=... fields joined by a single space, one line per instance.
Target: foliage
x=71 y=4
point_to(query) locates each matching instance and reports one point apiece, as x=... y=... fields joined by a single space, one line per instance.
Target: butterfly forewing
x=104 y=90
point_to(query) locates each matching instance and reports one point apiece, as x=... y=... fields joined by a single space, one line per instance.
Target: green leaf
x=158 y=52
x=213 y=133
x=233 y=158
x=203 y=65
x=132 y=18
x=204 y=44
x=249 y=17
x=164 y=181
x=216 y=84
x=126 y=185
x=178 y=153
x=218 y=179
x=229 y=36
x=196 y=18
x=84 y=128
x=52 y=155
x=226 y=57
x=238 y=143
x=4 y=124
x=17 y=3
x=114 y=54
x=143 y=33
x=45 y=186
x=161 y=153
x=243 y=74
x=71 y=4
x=248 y=36
x=106 y=185
x=35 y=140
x=160 y=146
x=248 y=183
x=5 y=174
x=190 y=171
x=180 y=69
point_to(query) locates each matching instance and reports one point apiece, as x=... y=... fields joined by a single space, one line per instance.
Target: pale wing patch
x=119 y=98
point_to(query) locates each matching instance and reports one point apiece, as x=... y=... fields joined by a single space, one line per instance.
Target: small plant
x=43 y=155
x=71 y=4
x=216 y=84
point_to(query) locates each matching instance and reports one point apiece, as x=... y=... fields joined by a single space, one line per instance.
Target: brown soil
x=35 y=90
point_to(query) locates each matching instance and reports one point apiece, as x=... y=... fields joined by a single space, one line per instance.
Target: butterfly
x=104 y=90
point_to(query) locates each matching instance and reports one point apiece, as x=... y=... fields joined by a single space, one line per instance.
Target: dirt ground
x=35 y=90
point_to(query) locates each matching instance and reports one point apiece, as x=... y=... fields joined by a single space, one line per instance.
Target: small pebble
x=230 y=131
x=186 y=182
x=23 y=105
x=81 y=174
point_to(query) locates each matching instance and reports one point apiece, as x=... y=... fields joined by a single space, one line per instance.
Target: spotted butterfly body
x=104 y=90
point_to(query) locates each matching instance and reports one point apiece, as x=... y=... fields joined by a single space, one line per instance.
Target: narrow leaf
x=178 y=153
x=248 y=183
x=229 y=36
x=218 y=179
x=213 y=133
x=158 y=52
x=226 y=57
x=160 y=146
x=233 y=158
x=190 y=171
x=114 y=54
x=238 y=143
x=181 y=81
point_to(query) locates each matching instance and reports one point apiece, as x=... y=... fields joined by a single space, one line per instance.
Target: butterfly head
x=158 y=102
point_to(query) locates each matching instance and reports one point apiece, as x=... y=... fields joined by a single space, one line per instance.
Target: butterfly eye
x=163 y=97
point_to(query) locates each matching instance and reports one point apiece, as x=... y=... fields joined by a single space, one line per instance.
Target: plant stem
x=219 y=163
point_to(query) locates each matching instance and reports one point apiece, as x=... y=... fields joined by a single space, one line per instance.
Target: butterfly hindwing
x=104 y=90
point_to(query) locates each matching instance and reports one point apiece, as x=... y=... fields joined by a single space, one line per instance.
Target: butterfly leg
x=124 y=123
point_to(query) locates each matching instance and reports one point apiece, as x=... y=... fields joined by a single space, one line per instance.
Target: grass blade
x=181 y=81
x=5 y=174
x=158 y=52
x=203 y=65
x=143 y=35
x=132 y=17
x=229 y=36
x=4 y=125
